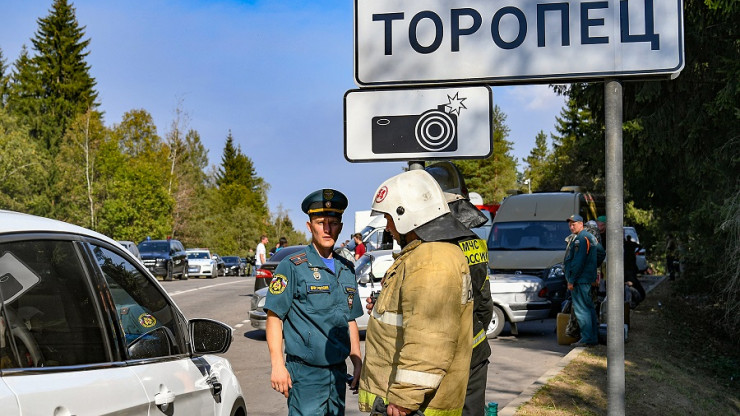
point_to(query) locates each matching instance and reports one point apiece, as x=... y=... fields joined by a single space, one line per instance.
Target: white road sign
x=506 y=41
x=418 y=124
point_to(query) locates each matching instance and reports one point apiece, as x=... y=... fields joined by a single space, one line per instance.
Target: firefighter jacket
x=476 y=252
x=419 y=339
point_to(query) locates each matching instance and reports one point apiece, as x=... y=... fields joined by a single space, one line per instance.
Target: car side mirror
x=364 y=279
x=208 y=336
x=155 y=343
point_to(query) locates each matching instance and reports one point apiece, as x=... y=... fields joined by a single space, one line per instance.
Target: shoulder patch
x=278 y=284
x=299 y=258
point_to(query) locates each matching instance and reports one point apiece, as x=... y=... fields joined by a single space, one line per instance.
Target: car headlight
x=261 y=302
x=161 y=261
x=556 y=272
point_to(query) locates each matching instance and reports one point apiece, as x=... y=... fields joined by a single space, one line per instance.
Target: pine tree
x=492 y=177
x=537 y=161
x=24 y=93
x=68 y=87
x=4 y=80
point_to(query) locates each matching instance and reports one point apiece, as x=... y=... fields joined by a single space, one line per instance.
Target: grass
x=674 y=365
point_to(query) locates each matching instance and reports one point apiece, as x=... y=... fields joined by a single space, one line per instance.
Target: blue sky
x=274 y=72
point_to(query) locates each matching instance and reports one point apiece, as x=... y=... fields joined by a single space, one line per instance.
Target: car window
x=154 y=246
x=140 y=305
x=48 y=315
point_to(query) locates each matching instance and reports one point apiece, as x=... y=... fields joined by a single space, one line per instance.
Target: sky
x=273 y=72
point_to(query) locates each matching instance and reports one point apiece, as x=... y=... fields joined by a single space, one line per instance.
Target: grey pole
x=614 y=248
x=416 y=164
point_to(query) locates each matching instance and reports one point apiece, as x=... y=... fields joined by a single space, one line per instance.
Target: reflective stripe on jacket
x=419 y=338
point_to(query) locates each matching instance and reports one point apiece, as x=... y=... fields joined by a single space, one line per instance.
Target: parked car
x=88 y=330
x=516 y=298
x=264 y=273
x=234 y=266
x=201 y=263
x=642 y=264
x=165 y=258
x=220 y=264
x=131 y=246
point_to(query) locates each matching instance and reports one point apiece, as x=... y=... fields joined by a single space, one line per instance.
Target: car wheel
x=497 y=323
x=168 y=275
x=185 y=275
x=214 y=274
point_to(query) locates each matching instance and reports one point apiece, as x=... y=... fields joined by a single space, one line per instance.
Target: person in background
x=580 y=272
x=630 y=266
x=311 y=305
x=359 y=246
x=260 y=255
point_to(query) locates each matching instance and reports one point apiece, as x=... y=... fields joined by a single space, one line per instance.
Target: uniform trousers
x=475 y=397
x=583 y=307
x=317 y=391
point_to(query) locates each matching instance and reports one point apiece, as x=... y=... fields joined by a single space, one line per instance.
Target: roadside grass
x=673 y=366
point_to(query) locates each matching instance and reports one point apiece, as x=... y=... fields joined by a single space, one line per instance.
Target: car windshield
x=528 y=235
x=198 y=255
x=150 y=246
x=362 y=262
x=230 y=259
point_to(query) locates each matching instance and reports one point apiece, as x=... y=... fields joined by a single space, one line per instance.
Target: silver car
x=516 y=298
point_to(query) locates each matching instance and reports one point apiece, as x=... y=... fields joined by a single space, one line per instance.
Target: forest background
x=58 y=159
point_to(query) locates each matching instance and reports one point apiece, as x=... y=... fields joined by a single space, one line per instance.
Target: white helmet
x=411 y=198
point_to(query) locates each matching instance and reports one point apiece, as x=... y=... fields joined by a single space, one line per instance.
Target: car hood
x=154 y=254
x=199 y=261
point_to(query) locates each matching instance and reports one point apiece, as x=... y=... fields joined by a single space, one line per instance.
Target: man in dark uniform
x=476 y=252
x=312 y=303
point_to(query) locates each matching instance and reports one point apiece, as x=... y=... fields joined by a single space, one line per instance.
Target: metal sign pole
x=614 y=248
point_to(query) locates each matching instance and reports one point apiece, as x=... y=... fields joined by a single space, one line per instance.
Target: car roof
x=15 y=222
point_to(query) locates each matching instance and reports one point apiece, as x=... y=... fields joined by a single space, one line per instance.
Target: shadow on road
x=257 y=335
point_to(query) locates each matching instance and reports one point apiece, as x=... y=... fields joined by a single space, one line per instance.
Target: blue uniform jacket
x=315 y=305
x=580 y=258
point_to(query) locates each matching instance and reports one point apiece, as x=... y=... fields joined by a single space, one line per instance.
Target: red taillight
x=263 y=274
x=542 y=293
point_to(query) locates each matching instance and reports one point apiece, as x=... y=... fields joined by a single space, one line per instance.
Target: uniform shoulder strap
x=299 y=259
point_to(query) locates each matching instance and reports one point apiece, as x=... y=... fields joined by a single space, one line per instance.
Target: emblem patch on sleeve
x=147 y=321
x=278 y=283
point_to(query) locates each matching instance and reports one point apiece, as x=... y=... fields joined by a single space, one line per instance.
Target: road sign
x=500 y=41
x=418 y=124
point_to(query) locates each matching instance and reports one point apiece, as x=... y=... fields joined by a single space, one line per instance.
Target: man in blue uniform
x=580 y=272
x=312 y=303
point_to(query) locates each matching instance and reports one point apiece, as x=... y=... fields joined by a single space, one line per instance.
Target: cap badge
x=328 y=194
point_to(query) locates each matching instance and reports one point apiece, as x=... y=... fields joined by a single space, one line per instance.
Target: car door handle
x=164 y=398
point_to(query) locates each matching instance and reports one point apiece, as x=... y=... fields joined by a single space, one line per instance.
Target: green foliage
x=681 y=144
x=4 y=79
x=578 y=152
x=23 y=167
x=537 y=162
x=494 y=176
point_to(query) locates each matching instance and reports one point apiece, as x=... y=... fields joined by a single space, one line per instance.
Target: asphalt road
x=516 y=362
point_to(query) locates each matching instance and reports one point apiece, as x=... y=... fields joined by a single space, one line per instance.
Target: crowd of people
x=425 y=349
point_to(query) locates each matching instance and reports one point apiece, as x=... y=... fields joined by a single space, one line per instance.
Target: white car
x=85 y=329
x=516 y=298
x=201 y=263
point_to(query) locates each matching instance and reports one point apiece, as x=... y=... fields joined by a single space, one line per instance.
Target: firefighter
x=476 y=252
x=419 y=337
